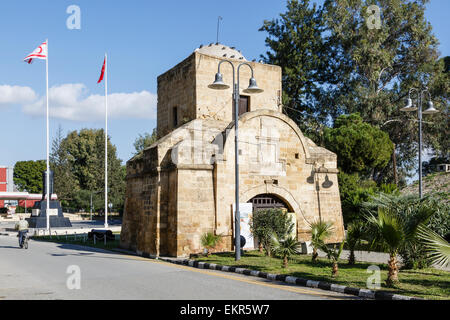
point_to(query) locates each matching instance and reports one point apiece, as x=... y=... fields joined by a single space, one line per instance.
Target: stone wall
x=176 y=88
x=185 y=86
x=218 y=104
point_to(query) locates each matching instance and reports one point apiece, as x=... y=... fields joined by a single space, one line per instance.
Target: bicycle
x=24 y=239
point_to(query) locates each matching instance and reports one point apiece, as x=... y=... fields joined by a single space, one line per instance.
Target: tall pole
x=419 y=110
x=91 y=206
x=237 y=219
x=394 y=165
x=218 y=20
x=106 y=141
x=47 y=181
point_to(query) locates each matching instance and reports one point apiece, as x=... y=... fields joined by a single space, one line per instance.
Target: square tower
x=183 y=93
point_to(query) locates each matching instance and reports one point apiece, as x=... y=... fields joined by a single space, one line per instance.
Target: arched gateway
x=183 y=185
x=268 y=201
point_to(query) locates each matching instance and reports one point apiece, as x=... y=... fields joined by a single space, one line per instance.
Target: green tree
x=83 y=155
x=145 y=140
x=351 y=68
x=285 y=248
x=295 y=43
x=28 y=175
x=355 y=234
x=360 y=147
x=393 y=227
x=333 y=253
x=354 y=191
x=410 y=208
x=65 y=184
x=320 y=230
x=265 y=223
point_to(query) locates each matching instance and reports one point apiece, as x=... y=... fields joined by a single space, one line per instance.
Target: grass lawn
x=426 y=283
x=81 y=239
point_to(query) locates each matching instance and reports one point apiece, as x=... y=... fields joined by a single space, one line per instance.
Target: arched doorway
x=267 y=201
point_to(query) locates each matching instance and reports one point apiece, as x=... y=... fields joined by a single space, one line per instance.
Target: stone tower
x=183 y=185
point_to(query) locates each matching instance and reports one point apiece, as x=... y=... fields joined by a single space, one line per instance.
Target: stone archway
x=283 y=194
x=268 y=201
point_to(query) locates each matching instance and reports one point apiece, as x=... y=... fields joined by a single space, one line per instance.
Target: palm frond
x=285 y=247
x=438 y=248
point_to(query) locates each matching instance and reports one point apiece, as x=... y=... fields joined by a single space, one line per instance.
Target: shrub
x=320 y=230
x=355 y=234
x=209 y=241
x=409 y=208
x=354 y=191
x=265 y=223
x=285 y=248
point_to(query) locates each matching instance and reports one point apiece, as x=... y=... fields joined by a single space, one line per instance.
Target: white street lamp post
x=431 y=110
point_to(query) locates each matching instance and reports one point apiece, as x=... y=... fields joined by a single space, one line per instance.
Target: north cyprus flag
x=39 y=53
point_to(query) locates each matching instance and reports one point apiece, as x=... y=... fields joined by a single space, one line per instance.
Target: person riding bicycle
x=22 y=227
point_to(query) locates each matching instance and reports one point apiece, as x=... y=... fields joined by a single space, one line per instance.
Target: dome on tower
x=220 y=50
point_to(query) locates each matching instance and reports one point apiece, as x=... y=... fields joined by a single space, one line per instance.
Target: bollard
x=66 y=235
x=94 y=238
x=75 y=236
x=104 y=237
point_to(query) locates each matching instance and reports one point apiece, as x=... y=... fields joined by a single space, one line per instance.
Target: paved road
x=40 y=273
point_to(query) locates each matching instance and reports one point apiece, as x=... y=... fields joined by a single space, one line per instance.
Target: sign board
x=52 y=212
x=245 y=212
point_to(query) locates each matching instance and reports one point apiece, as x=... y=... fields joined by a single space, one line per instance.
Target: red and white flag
x=39 y=53
x=102 y=72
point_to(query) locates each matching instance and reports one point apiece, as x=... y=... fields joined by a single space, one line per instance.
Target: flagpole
x=48 y=166
x=106 y=141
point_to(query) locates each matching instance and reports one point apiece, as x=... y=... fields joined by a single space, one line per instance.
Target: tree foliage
x=28 y=175
x=360 y=147
x=355 y=191
x=334 y=64
x=410 y=211
x=145 y=140
x=296 y=45
x=78 y=161
x=320 y=231
x=285 y=248
x=266 y=223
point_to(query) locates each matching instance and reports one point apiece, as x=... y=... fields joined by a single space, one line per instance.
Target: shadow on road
x=89 y=252
x=10 y=247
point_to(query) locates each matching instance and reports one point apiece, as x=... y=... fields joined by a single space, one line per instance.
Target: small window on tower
x=175 y=117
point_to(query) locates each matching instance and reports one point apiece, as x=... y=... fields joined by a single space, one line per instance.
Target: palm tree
x=333 y=254
x=392 y=231
x=320 y=230
x=209 y=241
x=438 y=247
x=355 y=234
x=285 y=248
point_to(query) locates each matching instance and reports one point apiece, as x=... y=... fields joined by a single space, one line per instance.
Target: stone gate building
x=182 y=186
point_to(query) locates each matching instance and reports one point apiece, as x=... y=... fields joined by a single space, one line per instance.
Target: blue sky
x=143 y=39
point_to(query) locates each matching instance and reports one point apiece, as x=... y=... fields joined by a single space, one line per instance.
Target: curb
x=363 y=293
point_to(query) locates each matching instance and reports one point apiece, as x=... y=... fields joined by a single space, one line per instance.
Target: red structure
x=3 y=183
x=27 y=203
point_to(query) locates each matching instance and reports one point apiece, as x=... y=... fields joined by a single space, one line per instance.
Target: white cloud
x=73 y=102
x=16 y=95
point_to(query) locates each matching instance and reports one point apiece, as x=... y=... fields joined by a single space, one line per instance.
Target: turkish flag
x=103 y=71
